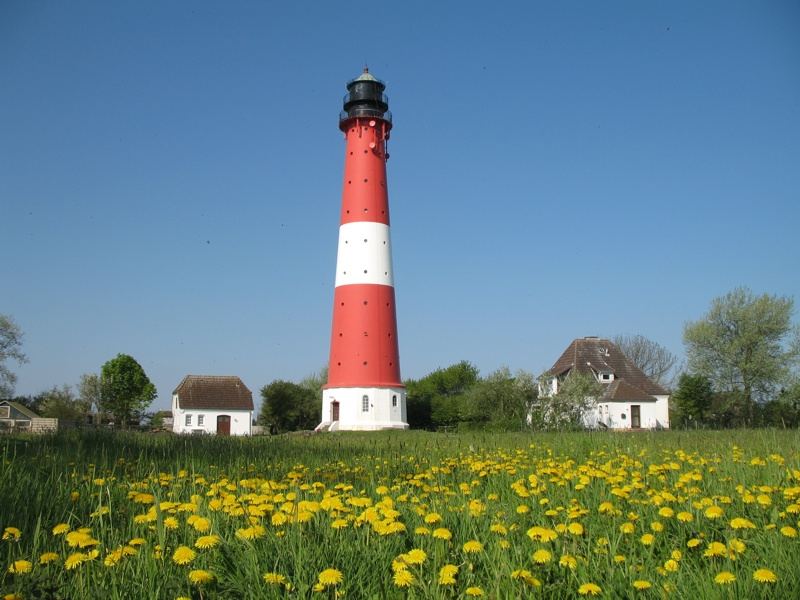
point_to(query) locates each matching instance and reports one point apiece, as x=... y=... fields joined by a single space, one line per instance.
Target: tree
x=61 y=403
x=651 y=357
x=90 y=391
x=501 y=401
x=565 y=409
x=125 y=389
x=287 y=406
x=693 y=398
x=435 y=400
x=10 y=349
x=745 y=343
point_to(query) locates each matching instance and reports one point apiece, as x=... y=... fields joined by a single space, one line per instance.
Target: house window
x=365 y=403
x=188 y=420
x=5 y=412
x=200 y=419
x=394 y=400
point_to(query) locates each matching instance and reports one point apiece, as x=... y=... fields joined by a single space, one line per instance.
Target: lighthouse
x=364 y=390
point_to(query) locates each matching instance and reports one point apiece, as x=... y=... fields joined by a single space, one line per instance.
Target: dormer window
x=606 y=376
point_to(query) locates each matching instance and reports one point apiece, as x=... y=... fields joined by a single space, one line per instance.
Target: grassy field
x=396 y=514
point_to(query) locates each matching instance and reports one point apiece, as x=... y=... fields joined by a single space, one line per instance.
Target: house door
x=223 y=425
x=335 y=410
x=636 y=416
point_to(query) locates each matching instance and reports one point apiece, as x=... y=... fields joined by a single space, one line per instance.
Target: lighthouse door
x=335 y=410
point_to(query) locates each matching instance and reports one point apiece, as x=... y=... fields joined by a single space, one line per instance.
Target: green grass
x=369 y=481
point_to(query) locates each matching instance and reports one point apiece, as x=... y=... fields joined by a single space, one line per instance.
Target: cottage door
x=636 y=416
x=223 y=425
x=335 y=410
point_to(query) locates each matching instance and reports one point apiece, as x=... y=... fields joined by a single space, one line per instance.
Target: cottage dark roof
x=21 y=409
x=214 y=392
x=622 y=391
x=597 y=355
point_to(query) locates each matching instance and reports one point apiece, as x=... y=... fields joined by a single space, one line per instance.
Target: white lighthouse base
x=363 y=409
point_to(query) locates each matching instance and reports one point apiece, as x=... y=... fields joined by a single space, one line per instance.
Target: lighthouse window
x=394 y=400
x=365 y=403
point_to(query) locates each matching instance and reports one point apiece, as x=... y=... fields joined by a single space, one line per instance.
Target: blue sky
x=170 y=176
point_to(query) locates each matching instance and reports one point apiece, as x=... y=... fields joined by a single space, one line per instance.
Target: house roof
x=593 y=355
x=20 y=408
x=226 y=392
x=621 y=391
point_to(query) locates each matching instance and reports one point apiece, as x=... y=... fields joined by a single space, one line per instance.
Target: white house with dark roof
x=16 y=417
x=631 y=400
x=215 y=404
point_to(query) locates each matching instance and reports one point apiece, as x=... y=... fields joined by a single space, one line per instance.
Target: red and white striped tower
x=364 y=390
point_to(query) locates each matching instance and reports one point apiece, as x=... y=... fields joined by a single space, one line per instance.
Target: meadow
x=401 y=514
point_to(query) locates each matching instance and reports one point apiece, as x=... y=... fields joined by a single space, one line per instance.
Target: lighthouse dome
x=365 y=98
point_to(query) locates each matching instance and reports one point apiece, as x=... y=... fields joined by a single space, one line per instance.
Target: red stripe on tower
x=364 y=389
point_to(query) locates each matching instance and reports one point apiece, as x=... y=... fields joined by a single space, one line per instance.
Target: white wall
x=380 y=413
x=617 y=415
x=240 y=420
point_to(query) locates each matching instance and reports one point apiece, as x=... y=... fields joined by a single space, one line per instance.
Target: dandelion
x=274 y=579
x=170 y=523
x=568 y=561
x=472 y=547
x=433 y=518
x=685 y=517
x=714 y=512
x=764 y=576
x=48 y=557
x=338 y=524
x=541 y=557
x=542 y=534
x=200 y=577
x=447 y=574
x=647 y=539
x=75 y=560
x=575 y=528
x=740 y=523
x=724 y=578
x=403 y=578
x=183 y=555
x=20 y=567
x=642 y=584
x=60 y=529
x=11 y=534
x=627 y=528
x=789 y=532
x=330 y=577
x=415 y=556
x=207 y=541
x=474 y=591
x=201 y=524
x=590 y=589
x=498 y=529
x=137 y=542
x=671 y=565
x=693 y=543
x=715 y=549
x=442 y=533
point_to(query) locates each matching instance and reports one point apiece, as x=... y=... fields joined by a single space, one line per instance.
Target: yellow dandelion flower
x=671 y=565
x=472 y=547
x=338 y=524
x=789 y=532
x=642 y=584
x=415 y=556
x=442 y=533
x=330 y=577
x=403 y=578
x=568 y=561
x=447 y=574
x=619 y=558
x=201 y=524
x=11 y=534
x=740 y=523
x=764 y=576
x=421 y=530
x=693 y=543
x=724 y=578
x=171 y=523
x=714 y=512
x=605 y=507
x=207 y=541
x=498 y=528
x=74 y=560
x=20 y=567
x=60 y=529
x=541 y=534
x=647 y=539
x=137 y=542
x=575 y=528
x=685 y=517
x=200 y=576
x=627 y=528
x=474 y=591
x=433 y=518
x=541 y=557
x=715 y=549
x=183 y=555
x=274 y=579
x=666 y=512
x=48 y=557
x=589 y=589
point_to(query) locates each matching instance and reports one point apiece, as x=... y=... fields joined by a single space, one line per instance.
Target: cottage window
x=394 y=400
x=200 y=419
x=5 y=412
x=365 y=403
x=188 y=420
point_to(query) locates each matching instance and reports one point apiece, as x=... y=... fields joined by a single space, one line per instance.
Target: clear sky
x=171 y=172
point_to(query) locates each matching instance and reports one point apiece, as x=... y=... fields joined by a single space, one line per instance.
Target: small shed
x=16 y=417
x=213 y=404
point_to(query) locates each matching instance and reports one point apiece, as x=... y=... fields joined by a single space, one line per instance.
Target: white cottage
x=216 y=404
x=630 y=401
